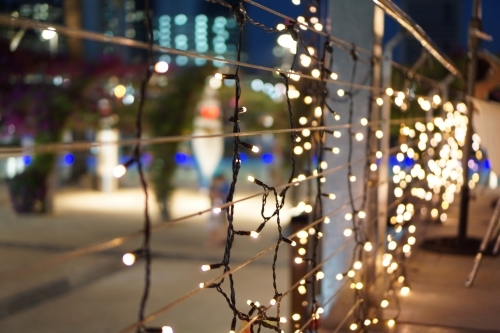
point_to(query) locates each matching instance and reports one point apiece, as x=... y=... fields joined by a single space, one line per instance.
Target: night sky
x=491 y=23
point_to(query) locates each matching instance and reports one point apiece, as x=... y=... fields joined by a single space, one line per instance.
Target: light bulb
x=367 y=322
x=357 y=265
x=353 y=327
x=334 y=76
x=251 y=179
x=339 y=276
x=201 y=285
x=254 y=234
x=302 y=120
x=302 y=290
x=391 y=322
x=405 y=291
x=296 y=317
x=361 y=214
x=308 y=100
x=348 y=216
x=368 y=246
x=205 y=268
x=364 y=121
x=332 y=196
x=352 y=178
x=378 y=154
x=298 y=260
x=320 y=275
x=167 y=329
x=128 y=259
x=375 y=320
x=282 y=320
x=359 y=136
x=327 y=220
x=389 y=91
x=217 y=210
x=384 y=303
x=351 y=273
x=161 y=67
x=218 y=76
x=379 y=134
x=347 y=232
x=341 y=92
x=380 y=101
x=318 y=112
x=373 y=167
x=315 y=73
x=273 y=302
x=255 y=149
x=359 y=285
x=335 y=150
x=119 y=171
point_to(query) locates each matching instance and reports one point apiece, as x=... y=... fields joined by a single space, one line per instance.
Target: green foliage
x=171 y=114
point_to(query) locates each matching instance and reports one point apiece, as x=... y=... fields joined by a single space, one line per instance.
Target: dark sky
x=491 y=23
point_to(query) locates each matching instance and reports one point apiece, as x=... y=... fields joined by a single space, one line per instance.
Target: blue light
x=487 y=164
x=69 y=159
x=267 y=158
x=243 y=157
x=27 y=160
x=180 y=158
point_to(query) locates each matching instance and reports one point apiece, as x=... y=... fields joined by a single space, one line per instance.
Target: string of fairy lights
x=434 y=179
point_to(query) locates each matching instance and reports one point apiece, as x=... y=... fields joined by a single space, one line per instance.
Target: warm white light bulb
x=353 y=327
x=296 y=317
x=380 y=101
x=251 y=179
x=339 y=276
x=379 y=134
x=272 y=302
x=364 y=121
x=255 y=149
x=368 y=246
x=128 y=259
x=315 y=73
x=167 y=329
x=254 y=234
x=217 y=210
x=341 y=92
x=218 y=76
x=205 y=268
x=389 y=91
x=334 y=76
x=282 y=320
x=391 y=323
x=119 y=171
x=320 y=275
x=161 y=67
x=405 y=291
x=347 y=232
x=357 y=265
x=359 y=136
x=384 y=303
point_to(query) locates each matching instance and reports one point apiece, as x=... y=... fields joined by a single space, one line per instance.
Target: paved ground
x=97 y=293
x=438 y=301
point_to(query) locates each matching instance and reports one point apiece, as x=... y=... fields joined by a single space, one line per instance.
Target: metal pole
x=474 y=26
x=383 y=168
x=373 y=261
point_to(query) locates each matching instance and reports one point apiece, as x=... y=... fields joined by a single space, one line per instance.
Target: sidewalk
x=438 y=301
x=97 y=293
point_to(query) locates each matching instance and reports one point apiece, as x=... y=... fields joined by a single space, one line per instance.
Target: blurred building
x=194 y=25
x=440 y=19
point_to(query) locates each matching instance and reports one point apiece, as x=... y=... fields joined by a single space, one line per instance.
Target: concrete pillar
x=352 y=21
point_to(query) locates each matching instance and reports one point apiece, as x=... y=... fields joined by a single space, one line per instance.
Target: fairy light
x=389 y=92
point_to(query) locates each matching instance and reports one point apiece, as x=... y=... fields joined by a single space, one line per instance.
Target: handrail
x=406 y=21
